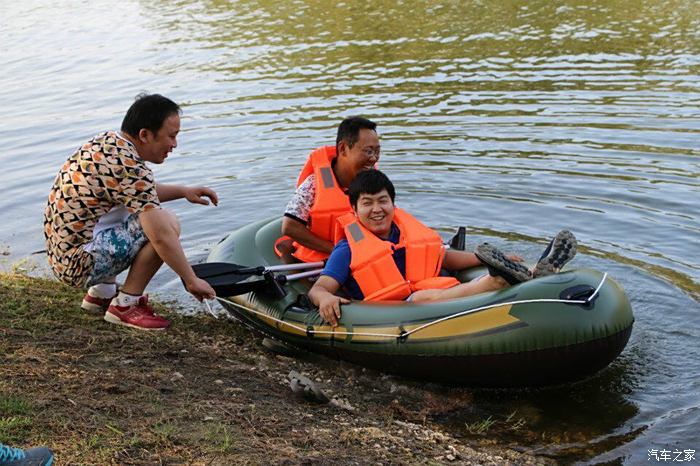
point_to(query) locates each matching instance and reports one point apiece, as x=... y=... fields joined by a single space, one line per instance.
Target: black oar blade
x=229 y=279
x=214 y=269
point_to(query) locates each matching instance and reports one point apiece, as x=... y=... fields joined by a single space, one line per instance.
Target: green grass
x=480 y=427
x=514 y=424
x=483 y=426
x=14 y=405
x=221 y=438
x=105 y=394
x=14 y=429
x=165 y=432
x=15 y=418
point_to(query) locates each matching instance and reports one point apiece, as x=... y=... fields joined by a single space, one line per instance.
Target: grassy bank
x=203 y=392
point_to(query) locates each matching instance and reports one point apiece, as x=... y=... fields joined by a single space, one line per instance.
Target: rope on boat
x=405 y=334
x=600 y=285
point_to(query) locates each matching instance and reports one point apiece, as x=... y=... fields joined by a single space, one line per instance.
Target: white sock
x=123 y=299
x=103 y=290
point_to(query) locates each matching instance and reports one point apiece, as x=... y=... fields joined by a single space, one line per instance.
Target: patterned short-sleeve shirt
x=301 y=202
x=104 y=173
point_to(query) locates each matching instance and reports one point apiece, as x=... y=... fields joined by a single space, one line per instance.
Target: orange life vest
x=330 y=202
x=373 y=266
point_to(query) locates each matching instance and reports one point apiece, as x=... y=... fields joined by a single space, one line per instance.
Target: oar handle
x=299 y=266
x=283 y=279
x=259 y=270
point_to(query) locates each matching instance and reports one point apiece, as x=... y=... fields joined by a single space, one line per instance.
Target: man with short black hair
x=388 y=255
x=310 y=217
x=104 y=216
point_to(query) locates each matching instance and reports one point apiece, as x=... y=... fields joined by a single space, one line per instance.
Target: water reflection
x=557 y=421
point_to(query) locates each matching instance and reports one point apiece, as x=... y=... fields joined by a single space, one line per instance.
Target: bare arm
x=162 y=230
x=194 y=194
x=302 y=235
x=322 y=295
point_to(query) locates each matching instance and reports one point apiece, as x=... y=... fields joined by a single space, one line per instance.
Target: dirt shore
x=206 y=392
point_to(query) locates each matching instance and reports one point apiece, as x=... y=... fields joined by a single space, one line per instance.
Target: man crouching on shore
x=104 y=216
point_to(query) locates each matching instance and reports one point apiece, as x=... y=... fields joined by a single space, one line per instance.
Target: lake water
x=515 y=119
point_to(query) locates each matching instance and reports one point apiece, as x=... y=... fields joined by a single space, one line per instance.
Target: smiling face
x=364 y=153
x=155 y=147
x=376 y=212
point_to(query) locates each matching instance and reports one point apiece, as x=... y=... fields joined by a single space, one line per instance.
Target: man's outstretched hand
x=199 y=195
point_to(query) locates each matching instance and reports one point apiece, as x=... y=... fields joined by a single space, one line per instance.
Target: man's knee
x=171 y=221
x=493 y=283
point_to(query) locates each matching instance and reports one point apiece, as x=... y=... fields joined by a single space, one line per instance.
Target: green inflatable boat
x=545 y=331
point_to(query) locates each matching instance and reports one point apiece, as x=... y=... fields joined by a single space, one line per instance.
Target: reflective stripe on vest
x=373 y=266
x=330 y=202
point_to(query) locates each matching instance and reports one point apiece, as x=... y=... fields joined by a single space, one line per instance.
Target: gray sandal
x=500 y=266
x=560 y=251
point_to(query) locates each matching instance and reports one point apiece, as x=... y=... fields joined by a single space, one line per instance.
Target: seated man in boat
x=104 y=216
x=389 y=255
x=310 y=219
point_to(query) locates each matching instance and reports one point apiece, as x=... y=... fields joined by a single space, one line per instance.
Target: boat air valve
x=579 y=293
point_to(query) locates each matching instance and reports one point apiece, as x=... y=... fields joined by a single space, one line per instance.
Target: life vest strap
x=395 y=292
x=305 y=254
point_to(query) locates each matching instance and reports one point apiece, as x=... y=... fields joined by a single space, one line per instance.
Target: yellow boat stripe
x=468 y=324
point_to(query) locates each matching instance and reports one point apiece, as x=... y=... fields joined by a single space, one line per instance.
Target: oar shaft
x=297 y=276
x=300 y=266
x=275 y=284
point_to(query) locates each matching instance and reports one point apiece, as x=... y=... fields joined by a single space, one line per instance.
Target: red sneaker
x=94 y=304
x=139 y=315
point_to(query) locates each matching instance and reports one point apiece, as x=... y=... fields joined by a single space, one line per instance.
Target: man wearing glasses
x=310 y=220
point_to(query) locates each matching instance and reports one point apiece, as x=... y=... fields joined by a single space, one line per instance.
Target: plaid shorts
x=114 y=249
